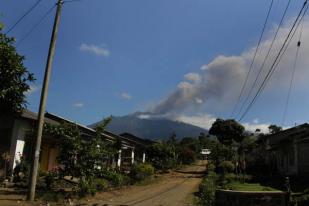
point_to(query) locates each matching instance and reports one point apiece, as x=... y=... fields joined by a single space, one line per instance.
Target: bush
x=207 y=189
x=49 y=180
x=226 y=167
x=100 y=184
x=162 y=156
x=224 y=178
x=187 y=156
x=115 y=178
x=142 y=171
x=211 y=167
x=85 y=188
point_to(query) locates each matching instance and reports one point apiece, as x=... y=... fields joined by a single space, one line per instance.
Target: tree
x=14 y=77
x=161 y=155
x=227 y=131
x=81 y=156
x=273 y=129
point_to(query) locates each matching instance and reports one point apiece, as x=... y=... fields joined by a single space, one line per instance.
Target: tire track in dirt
x=158 y=197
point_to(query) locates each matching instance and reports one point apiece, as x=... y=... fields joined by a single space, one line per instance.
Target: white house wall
x=20 y=129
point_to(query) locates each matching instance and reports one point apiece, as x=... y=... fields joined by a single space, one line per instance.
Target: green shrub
x=211 y=167
x=85 y=188
x=226 y=167
x=42 y=173
x=49 y=180
x=224 y=178
x=50 y=196
x=100 y=184
x=115 y=178
x=207 y=190
x=187 y=156
x=142 y=171
x=230 y=177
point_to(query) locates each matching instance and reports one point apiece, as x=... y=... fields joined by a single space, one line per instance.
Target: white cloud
x=198 y=100
x=193 y=77
x=201 y=120
x=144 y=116
x=126 y=96
x=94 y=49
x=78 y=104
x=251 y=127
x=33 y=89
x=204 y=67
x=206 y=120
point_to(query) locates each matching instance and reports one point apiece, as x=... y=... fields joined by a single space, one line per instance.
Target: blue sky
x=117 y=57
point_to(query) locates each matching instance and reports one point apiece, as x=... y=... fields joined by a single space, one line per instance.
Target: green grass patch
x=148 y=181
x=239 y=186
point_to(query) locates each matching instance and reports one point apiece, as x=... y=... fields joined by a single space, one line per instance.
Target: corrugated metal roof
x=296 y=133
x=56 y=120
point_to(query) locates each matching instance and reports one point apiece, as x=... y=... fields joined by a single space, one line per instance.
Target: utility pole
x=37 y=145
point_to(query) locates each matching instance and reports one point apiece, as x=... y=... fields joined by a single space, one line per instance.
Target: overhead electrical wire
x=292 y=36
x=71 y=1
x=35 y=26
x=289 y=41
x=253 y=59
x=23 y=16
x=265 y=59
x=301 y=14
x=292 y=77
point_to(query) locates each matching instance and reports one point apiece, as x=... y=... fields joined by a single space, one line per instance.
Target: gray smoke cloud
x=218 y=83
x=222 y=74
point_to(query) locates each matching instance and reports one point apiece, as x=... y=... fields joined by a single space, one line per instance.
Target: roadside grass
x=50 y=196
x=239 y=186
x=149 y=181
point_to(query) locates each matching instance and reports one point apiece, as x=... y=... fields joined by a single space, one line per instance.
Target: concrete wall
x=239 y=198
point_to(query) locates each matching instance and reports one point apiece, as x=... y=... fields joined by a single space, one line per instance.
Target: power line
x=23 y=16
x=292 y=36
x=289 y=41
x=273 y=66
x=275 y=63
x=35 y=26
x=292 y=76
x=265 y=59
x=253 y=60
x=71 y=1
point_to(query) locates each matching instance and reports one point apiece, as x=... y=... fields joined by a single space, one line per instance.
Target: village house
x=291 y=150
x=13 y=137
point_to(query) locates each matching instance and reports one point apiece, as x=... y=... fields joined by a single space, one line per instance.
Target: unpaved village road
x=174 y=189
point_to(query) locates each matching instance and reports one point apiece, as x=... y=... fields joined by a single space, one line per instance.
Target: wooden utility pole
x=37 y=145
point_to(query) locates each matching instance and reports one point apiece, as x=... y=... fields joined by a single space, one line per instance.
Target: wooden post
x=36 y=152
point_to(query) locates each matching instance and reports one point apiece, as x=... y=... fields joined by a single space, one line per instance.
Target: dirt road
x=174 y=189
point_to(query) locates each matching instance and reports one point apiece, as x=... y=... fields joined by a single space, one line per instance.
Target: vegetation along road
x=173 y=189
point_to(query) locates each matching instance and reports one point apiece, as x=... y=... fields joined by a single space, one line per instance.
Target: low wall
x=244 y=198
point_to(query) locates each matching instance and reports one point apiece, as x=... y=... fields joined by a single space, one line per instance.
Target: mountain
x=154 y=128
